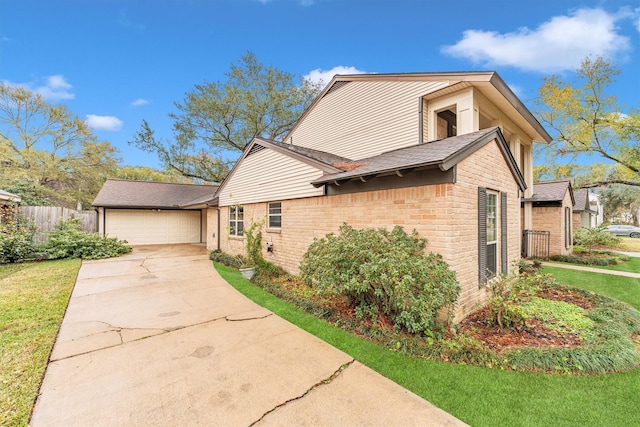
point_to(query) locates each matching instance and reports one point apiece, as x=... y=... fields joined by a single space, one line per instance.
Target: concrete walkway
x=157 y=337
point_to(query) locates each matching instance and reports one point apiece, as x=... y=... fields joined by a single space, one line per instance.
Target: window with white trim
x=275 y=215
x=492 y=234
x=236 y=221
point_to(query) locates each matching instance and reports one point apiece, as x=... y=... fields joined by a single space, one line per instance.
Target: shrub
x=16 y=236
x=235 y=261
x=591 y=237
x=510 y=292
x=68 y=241
x=382 y=272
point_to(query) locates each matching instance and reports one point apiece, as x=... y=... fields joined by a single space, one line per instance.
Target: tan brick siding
x=552 y=219
x=446 y=214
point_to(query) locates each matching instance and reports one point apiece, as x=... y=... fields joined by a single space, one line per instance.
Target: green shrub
x=595 y=258
x=68 y=241
x=592 y=237
x=234 y=261
x=382 y=272
x=16 y=236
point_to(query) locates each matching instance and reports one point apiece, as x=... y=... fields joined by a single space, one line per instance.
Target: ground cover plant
x=481 y=396
x=32 y=303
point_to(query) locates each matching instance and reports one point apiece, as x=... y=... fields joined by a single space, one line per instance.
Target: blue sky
x=117 y=62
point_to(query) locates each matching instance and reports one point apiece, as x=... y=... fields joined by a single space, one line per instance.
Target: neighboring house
x=596 y=206
x=447 y=154
x=553 y=212
x=144 y=212
x=583 y=213
x=6 y=197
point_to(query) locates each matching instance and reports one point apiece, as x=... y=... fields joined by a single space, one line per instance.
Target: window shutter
x=482 y=235
x=503 y=233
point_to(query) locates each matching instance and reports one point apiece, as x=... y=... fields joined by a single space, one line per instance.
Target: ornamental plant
x=69 y=241
x=383 y=272
x=16 y=236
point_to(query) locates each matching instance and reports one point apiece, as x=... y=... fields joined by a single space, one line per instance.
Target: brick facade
x=553 y=219
x=446 y=214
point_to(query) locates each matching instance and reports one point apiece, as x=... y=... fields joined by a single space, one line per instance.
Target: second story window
x=447 y=123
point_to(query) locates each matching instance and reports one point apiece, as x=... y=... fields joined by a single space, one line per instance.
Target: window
x=568 y=239
x=492 y=216
x=492 y=234
x=446 y=124
x=275 y=215
x=236 y=221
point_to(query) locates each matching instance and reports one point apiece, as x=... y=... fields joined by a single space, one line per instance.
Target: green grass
x=626 y=289
x=632 y=266
x=33 y=298
x=481 y=396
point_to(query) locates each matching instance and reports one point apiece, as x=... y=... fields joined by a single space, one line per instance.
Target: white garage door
x=148 y=227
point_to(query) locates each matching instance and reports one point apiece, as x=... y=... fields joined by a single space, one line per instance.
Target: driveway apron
x=157 y=337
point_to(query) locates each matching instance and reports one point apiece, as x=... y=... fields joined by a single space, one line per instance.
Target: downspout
x=218 y=232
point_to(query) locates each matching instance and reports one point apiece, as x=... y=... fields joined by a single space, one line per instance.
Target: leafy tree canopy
x=215 y=121
x=586 y=119
x=143 y=173
x=48 y=152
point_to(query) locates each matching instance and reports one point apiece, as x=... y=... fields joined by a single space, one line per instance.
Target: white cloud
x=324 y=76
x=55 y=88
x=109 y=123
x=139 y=102
x=561 y=43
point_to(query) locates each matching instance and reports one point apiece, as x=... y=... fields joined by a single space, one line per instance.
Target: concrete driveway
x=157 y=337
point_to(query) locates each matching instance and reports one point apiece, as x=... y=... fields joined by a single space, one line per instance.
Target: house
x=447 y=154
x=553 y=203
x=584 y=215
x=6 y=197
x=144 y=212
x=596 y=206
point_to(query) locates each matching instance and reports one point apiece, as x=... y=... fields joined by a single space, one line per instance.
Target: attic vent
x=335 y=86
x=255 y=149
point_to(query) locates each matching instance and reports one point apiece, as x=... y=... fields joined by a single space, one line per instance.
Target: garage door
x=148 y=227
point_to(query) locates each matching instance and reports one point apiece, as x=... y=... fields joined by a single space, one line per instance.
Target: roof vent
x=255 y=149
x=337 y=85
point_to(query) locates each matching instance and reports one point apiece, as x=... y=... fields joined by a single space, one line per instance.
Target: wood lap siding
x=266 y=175
x=363 y=119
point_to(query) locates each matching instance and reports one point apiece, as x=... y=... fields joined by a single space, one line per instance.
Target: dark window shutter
x=503 y=233
x=482 y=235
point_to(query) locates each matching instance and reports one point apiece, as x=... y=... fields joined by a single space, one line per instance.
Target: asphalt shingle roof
x=444 y=153
x=147 y=194
x=581 y=198
x=317 y=155
x=550 y=191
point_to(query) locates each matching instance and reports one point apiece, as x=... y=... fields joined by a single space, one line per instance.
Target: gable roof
x=551 y=191
x=9 y=197
x=121 y=193
x=321 y=160
x=581 y=198
x=488 y=82
x=444 y=154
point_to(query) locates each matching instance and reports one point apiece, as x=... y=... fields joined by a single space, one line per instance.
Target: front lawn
x=482 y=396
x=33 y=299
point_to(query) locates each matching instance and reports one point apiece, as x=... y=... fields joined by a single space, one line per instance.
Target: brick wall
x=552 y=219
x=446 y=214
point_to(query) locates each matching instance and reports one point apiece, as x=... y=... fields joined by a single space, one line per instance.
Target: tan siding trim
x=267 y=176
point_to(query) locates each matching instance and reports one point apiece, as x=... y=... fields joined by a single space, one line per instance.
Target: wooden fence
x=47 y=217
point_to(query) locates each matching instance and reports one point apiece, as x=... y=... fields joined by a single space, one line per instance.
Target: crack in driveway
x=119 y=329
x=327 y=380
